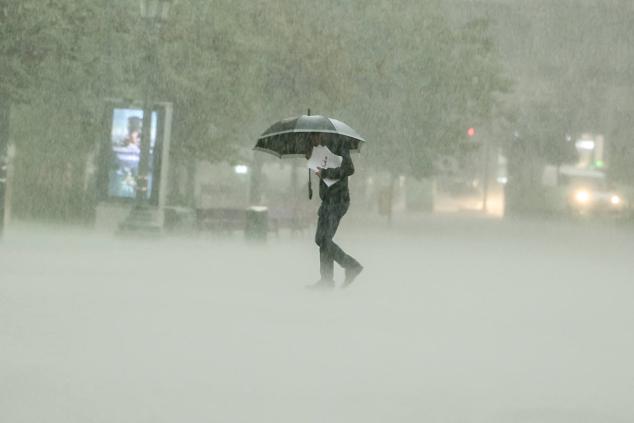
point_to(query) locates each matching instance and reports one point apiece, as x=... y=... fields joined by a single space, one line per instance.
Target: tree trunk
x=174 y=196
x=390 y=198
x=85 y=179
x=190 y=188
x=255 y=185
x=386 y=198
x=5 y=111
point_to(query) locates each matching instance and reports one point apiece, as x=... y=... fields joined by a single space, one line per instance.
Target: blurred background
x=493 y=107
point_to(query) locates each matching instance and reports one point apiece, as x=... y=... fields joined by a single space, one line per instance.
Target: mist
x=452 y=321
x=160 y=274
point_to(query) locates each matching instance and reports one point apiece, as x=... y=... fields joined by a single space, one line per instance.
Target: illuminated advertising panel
x=125 y=152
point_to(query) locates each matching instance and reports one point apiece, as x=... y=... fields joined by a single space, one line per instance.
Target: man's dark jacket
x=338 y=193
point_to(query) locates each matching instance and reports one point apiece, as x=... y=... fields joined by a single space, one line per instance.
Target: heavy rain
x=162 y=258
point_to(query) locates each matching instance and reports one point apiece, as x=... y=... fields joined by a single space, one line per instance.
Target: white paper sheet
x=324 y=158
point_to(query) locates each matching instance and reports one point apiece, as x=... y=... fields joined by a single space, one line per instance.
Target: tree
x=59 y=97
x=401 y=75
x=428 y=82
x=232 y=68
x=21 y=50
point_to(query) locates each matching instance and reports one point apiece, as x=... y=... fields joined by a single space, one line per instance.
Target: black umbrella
x=289 y=137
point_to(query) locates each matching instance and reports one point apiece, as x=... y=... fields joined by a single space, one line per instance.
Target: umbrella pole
x=310 y=187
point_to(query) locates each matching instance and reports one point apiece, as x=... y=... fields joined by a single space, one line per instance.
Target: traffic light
x=471 y=132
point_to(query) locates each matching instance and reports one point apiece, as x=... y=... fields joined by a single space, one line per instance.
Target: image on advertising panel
x=127 y=128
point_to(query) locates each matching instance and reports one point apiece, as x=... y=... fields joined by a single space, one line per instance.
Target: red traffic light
x=471 y=132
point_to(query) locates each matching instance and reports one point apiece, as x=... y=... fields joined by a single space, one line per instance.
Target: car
x=588 y=193
x=577 y=191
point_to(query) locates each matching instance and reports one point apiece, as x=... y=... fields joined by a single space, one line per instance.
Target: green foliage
x=24 y=43
x=397 y=72
x=427 y=83
x=62 y=72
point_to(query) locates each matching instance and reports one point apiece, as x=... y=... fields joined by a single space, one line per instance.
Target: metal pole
x=485 y=182
x=151 y=69
x=142 y=218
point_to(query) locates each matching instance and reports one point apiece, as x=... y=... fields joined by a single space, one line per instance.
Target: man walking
x=335 y=201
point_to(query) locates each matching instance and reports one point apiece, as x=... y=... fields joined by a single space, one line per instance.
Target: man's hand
x=318 y=172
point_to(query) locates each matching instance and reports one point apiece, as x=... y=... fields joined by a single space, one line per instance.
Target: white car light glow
x=582 y=196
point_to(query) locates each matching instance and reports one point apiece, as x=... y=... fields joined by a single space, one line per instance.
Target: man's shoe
x=322 y=285
x=351 y=274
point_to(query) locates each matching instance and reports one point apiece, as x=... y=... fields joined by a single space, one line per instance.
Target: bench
x=221 y=219
x=227 y=220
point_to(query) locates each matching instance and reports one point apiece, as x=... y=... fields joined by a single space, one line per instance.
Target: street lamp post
x=154 y=13
x=485 y=177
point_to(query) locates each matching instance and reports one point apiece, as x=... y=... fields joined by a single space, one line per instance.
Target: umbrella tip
x=308 y=112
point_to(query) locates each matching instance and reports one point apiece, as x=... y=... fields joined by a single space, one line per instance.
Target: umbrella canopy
x=289 y=137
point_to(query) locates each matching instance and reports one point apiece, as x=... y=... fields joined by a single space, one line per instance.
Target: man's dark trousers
x=329 y=217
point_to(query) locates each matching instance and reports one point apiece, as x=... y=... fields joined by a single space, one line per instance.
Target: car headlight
x=582 y=196
x=615 y=200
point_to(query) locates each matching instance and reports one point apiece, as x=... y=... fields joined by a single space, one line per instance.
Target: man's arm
x=346 y=168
